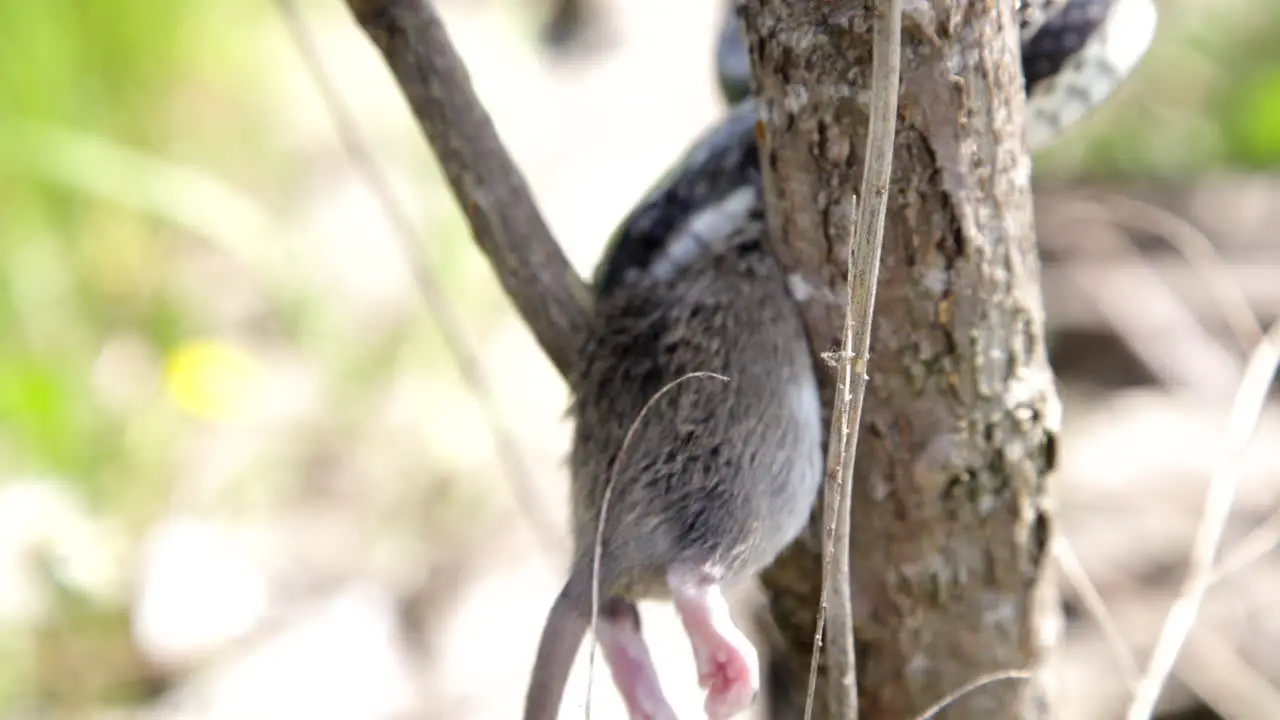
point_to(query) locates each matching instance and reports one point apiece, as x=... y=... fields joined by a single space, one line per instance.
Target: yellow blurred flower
x=212 y=379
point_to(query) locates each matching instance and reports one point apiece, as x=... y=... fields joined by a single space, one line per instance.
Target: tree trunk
x=951 y=514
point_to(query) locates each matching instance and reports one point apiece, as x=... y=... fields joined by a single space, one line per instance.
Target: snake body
x=1075 y=53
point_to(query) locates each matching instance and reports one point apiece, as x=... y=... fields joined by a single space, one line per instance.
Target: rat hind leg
x=728 y=667
x=629 y=661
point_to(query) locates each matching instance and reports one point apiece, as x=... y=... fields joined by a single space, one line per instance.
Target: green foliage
x=83 y=268
x=140 y=154
x=1205 y=98
x=1253 y=119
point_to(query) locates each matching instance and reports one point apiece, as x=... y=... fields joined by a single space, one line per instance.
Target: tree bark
x=951 y=515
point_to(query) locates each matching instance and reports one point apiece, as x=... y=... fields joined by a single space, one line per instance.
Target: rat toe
x=730 y=681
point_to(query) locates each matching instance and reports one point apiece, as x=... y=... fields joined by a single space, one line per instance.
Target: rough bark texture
x=951 y=520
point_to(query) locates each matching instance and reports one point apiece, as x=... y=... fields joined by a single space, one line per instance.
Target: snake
x=1074 y=53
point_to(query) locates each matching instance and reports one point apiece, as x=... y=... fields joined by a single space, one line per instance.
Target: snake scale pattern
x=1075 y=53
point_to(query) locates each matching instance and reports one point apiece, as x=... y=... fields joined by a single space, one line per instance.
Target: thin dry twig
x=987 y=679
x=1241 y=423
x=1075 y=574
x=1233 y=688
x=1197 y=250
x=1260 y=541
x=1161 y=330
x=1193 y=245
x=864 y=268
x=1233 y=303
x=604 y=510
x=833 y=495
x=504 y=219
x=450 y=321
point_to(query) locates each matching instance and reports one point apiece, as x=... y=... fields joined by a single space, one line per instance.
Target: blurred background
x=241 y=476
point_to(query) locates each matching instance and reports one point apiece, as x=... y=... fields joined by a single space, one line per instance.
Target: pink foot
x=731 y=679
x=727 y=664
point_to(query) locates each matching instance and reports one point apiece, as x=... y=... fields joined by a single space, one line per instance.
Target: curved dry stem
x=1161 y=331
x=1075 y=573
x=1260 y=541
x=987 y=679
x=447 y=317
x=1194 y=247
x=1200 y=253
x=1241 y=423
x=604 y=510
x=1225 y=681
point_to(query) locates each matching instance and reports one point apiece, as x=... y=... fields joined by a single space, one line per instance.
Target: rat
x=697 y=449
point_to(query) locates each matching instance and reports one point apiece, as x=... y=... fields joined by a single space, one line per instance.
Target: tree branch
x=488 y=186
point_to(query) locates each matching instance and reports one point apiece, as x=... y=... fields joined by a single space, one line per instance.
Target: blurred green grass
x=133 y=145
x=1205 y=98
x=81 y=268
x=132 y=139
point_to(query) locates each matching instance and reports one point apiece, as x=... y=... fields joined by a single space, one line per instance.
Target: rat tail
x=562 y=635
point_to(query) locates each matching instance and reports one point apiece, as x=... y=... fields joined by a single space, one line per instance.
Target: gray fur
x=718 y=475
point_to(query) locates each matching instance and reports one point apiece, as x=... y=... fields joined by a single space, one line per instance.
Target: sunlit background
x=242 y=477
